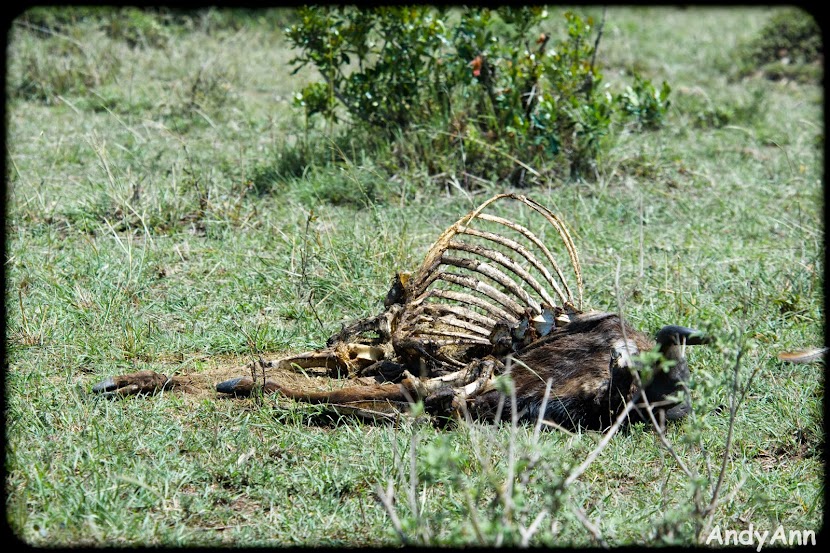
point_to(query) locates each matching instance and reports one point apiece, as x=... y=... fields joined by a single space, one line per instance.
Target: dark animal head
x=673 y=340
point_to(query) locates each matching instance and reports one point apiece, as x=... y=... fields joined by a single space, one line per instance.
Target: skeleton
x=489 y=299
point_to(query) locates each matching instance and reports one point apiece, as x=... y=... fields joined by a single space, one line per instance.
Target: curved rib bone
x=483 y=288
x=493 y=273
x=465 y=298
x=448 y=320
x=460 y=313
x=535 y=239
x=505 y=261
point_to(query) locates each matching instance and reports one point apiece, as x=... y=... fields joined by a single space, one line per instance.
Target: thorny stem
x=649 y=409
x=734 y=401
x=733 y=408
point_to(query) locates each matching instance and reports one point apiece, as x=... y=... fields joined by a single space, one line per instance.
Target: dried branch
x=596 y=48
x=388 y=500
x=528 y=533
x=621 y=418
x=659 y=428
x=583 y=518
x=734 y=401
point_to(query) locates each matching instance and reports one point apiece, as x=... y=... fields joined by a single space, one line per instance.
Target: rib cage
x=484 y=275
x=488 y=294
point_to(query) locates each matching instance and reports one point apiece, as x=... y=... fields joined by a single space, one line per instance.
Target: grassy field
x=151 y=225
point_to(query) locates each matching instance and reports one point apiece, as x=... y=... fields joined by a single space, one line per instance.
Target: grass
x=147 y=229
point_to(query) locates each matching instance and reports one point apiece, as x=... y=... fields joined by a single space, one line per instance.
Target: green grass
x=148 y=227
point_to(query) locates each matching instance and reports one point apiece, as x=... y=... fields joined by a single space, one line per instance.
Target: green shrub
x=137 y=27
x=484 y=88
x=789 y=46
x=395 y=52
x=45 y=19
x=81 y=49
x=67 y=66
x=792 y=34
x=647 y=105
x=736 y=111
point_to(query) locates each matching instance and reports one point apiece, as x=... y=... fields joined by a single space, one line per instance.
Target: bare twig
x=471 y=508
x=540 y=418
x=583 y=518
x=528 y=533
x=314 y=310
x=733 y=408
x=621 y=418
x=388 y=500
x=596 y=44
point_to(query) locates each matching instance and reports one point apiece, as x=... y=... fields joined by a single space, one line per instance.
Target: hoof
x=142 y=382
x=240 y=386
x=107 y=385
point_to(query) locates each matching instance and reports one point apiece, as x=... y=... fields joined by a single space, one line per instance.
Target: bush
x=136 y=27
x=67 y=67
x=394 y=49
x=646 y=104
x=81 y=53
x=488 y=87
x=789 y=46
